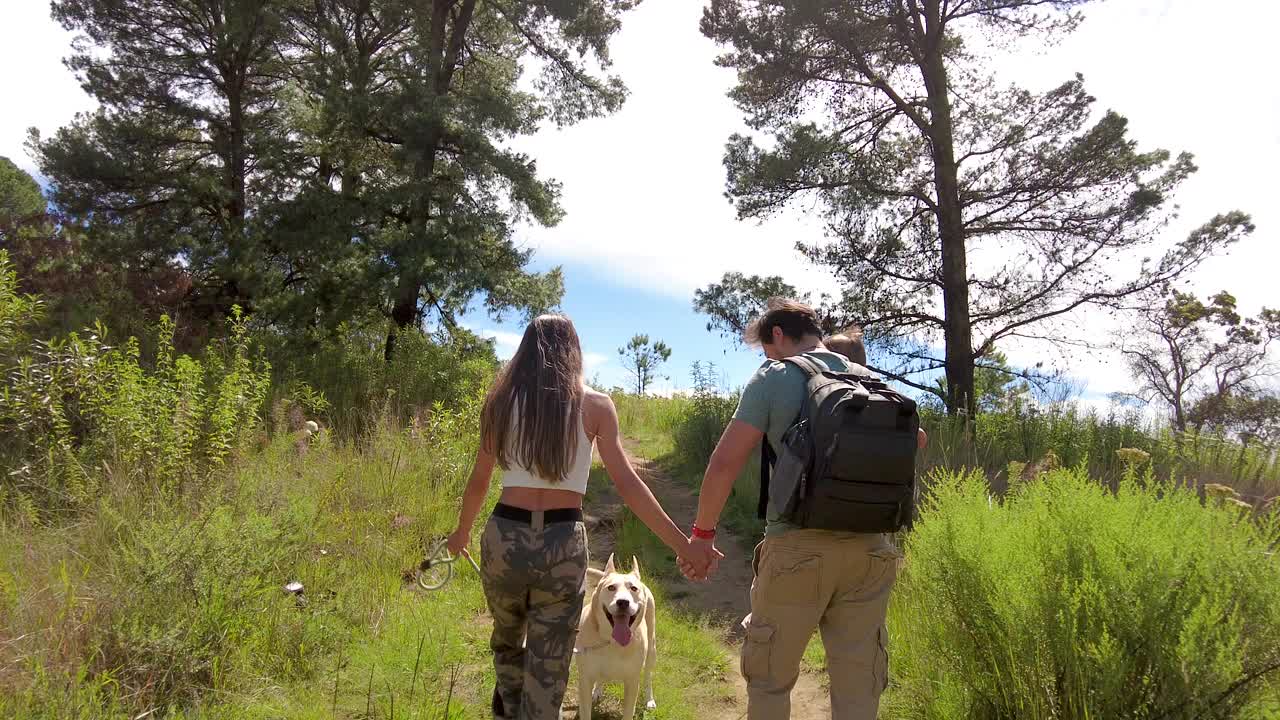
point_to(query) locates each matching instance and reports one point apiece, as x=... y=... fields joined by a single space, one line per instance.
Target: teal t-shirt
x=771 y=401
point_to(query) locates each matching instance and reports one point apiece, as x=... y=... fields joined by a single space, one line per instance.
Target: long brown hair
x=543 y=383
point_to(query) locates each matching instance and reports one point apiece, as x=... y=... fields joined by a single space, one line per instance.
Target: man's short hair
x=796 y=320
x=849 y=344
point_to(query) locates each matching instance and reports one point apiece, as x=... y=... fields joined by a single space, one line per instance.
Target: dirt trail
x=724 y=601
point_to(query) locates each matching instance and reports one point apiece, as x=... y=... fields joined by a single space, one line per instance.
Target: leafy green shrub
x=1066 y=600
x=17 y=311
x=348 y=381
x=700 y=427
x=77 y=411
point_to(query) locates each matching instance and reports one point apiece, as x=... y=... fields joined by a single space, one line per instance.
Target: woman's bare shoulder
x=597 y=407
x=591 y=395
x=596 y=401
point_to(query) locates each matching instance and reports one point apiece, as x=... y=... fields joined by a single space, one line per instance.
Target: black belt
x=557 y=515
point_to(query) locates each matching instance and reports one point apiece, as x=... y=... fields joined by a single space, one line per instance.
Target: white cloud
x=37 y=89
x=593 y=361
x=505 y=343
x=643 y=189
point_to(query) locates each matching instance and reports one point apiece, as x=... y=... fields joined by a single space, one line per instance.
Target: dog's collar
x=592 y=648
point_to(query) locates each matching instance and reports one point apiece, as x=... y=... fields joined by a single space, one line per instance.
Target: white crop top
x=576 y=479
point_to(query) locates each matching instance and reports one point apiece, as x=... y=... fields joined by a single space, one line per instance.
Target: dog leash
x=436 y=569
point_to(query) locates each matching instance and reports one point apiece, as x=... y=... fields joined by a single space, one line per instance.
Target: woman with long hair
x=539 y=425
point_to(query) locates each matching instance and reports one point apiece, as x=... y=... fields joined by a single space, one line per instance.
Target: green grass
x=178 y=603
x=815 y=656
x=651 y=422
x=679 y=434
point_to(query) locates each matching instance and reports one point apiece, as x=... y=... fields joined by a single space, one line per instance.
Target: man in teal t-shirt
x=771 y=401
x=804 y=579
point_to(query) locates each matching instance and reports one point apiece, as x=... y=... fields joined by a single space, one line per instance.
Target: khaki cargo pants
x=534 y=579
x=837 y=583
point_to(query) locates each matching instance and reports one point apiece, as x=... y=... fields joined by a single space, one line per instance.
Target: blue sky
x=646 y=220
x=607 y=315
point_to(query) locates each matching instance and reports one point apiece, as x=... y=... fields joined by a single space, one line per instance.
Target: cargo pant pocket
x=789 y=577
x=882 y=569
x=756 y=651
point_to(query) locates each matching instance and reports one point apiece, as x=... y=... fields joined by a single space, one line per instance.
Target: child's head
x=848 y=344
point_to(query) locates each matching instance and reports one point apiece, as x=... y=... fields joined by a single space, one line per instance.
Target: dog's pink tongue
x=622 y=629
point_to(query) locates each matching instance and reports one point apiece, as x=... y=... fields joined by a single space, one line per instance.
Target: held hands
x=700 y=560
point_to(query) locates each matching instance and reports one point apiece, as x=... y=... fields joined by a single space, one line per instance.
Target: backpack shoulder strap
x=767 y=458
x=810 y=368
x=862 y=371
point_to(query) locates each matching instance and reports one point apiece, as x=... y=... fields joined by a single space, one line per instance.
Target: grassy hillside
x=179 y=604
x=1126 y=593
x=154 y=507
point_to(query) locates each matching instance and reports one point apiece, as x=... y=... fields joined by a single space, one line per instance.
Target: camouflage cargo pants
x=534 y=580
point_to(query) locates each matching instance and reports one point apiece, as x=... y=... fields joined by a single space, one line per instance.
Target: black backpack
x=847 y=462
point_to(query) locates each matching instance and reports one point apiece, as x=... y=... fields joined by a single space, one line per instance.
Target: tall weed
x=78 y=411
x=1025 y=433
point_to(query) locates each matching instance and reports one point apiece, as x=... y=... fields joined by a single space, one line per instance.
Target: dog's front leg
x=630 y=694
x=585 y=695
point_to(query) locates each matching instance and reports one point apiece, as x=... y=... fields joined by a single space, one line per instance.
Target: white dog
x=617 y=641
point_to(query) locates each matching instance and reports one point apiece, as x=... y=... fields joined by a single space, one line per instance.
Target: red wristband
x=704 y=534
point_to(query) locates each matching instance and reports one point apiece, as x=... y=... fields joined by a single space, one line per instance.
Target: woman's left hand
x=457 y=542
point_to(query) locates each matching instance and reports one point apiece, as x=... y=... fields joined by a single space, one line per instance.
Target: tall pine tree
x=171 y=167
x=328 y=161
x=963 y=212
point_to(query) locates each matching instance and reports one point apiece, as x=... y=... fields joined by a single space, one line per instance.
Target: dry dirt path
x=724 y=601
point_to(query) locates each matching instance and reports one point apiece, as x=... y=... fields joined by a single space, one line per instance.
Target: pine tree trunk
x=958 y=333
x=404 y=313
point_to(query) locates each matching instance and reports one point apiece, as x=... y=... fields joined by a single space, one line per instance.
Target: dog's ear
x=635 y=567
x=608 y=567
x=594 y=577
